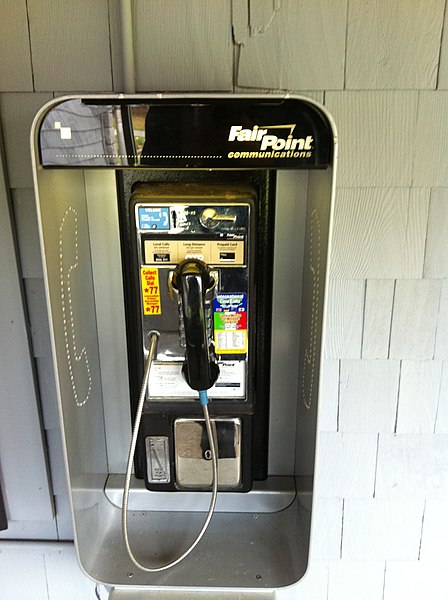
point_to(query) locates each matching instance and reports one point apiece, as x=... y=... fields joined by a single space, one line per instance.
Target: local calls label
x=230 y=323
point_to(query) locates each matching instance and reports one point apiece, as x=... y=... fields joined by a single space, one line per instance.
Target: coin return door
x=193 y=456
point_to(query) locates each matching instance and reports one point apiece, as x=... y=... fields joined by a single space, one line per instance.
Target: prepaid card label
x=230 y=323
x=150 y=291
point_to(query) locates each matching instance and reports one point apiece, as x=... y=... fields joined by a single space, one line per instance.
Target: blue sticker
x=230 y=303
x=154 y=218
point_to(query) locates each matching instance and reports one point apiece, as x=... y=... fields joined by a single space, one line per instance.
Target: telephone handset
x=193 y=281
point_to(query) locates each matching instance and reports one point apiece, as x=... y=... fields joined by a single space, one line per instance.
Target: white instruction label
x=166 y=381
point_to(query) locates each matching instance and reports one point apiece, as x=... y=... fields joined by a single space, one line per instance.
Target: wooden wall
x=381 y=69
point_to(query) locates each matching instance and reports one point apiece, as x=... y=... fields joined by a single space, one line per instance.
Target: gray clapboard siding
x=37 y=309
x=376 y=131
x=379 y=233
x=292 y=45
x=327 y=529
x=15 y=59
x=345 y=465
x=414 y=318
x=47 y=388
x=329 y=396
x=43 y=571
x=17 y=113
x=22 y=453
x=419 y=396
x=436 y=255
x=360 y=580
x=64 y=517
x=183 y=45
x=314 y=95
x=27 y=232
x=393 y=45
x=22 y=529
x=107 y=274
x=377 y=318
x=442 y=409
x=345 y=318
x=70 y=45
x=431 y=141
x=412 y=466
x=443 y=61
x=63 y=580
x=115 y=46
x=382 y=529
x=262 y=13
x=441 y=350
x=13 y=585
x=368 y=395
x=58 y=475
x=240 y=20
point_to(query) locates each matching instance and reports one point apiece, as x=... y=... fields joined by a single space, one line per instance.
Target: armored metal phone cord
x=154 y=335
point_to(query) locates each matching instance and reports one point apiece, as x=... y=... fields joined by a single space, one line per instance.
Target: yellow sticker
x=150 y=291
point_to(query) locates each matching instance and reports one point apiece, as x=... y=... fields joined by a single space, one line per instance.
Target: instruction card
x=230 y=323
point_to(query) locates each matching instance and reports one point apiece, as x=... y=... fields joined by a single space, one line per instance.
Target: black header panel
x=187 y=133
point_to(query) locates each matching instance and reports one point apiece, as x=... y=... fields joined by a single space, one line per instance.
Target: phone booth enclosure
x=126 y=187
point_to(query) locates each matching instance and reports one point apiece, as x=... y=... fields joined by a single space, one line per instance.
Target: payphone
x=193 y=255
x=185 y=243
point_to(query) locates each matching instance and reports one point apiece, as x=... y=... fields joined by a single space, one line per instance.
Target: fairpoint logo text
x=271 y=145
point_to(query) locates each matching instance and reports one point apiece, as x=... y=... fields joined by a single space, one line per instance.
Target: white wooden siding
x=382 y=529
x=435 y=530
x=348 y=579
x=368 y=394
x=414 y=319
x=412 y=466
x=414 y=580
x=442 y=409
x=346 y=465
x=377 y=318
x=345 y=319
x=327 y=530
x=329 y=396
x=419 y=396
